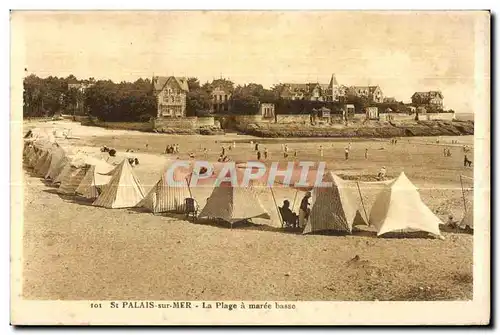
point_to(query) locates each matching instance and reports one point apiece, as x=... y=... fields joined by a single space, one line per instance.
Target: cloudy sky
x=402 y=52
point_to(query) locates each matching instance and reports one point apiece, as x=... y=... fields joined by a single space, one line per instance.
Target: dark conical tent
x=335 y=208
x=57 y=162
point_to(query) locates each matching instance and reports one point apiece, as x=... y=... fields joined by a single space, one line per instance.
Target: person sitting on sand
x=451 y=223
x=136 y=161
x=381 y=174
x=289 y=217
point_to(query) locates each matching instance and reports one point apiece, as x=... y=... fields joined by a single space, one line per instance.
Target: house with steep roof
x=373 y=93
x=170 y=93
x=430 y=98
x=311 y=91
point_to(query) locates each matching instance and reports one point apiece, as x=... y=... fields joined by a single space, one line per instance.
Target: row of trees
x=126 y=101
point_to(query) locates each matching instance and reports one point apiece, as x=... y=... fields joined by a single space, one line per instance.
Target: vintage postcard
x=250 y=167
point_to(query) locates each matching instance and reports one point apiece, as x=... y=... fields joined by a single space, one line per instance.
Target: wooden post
x=275 y=204
x=463 y=194
x=362 y=202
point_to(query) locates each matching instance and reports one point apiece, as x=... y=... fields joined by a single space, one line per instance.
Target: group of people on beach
x=172 y=149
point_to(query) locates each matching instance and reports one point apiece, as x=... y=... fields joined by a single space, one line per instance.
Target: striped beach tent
x=42 y=162
x=70 y=162
x=335 y=208
x=96 y=177
x=72 y=180
x=398 y=208
x=58 y=161
x=165 y=198
x=234 y=204
x=123 y=190
x=468 y=219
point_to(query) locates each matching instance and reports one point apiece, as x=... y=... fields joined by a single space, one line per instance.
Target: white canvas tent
x=165 y=198
x=123 y=190
x=234 y=204
x=96 y=177
x=399 y=208
x=335 y=208
x=468 y=219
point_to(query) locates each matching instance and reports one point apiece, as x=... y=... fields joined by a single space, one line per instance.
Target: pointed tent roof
x=72 y=180
x=123 y=190
x=91 y=182
x=234 y=204
x=56 y=163
x=167 y=198
x=336 y=208
x=399 y=207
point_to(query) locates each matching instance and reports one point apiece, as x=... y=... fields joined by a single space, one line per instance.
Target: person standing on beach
x=304 y=210
x=346 y=153
x=258 y=155
x=366 y=153
x=265 y=153
x=321 y=150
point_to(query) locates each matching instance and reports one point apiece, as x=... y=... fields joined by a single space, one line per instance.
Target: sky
x=402 y=52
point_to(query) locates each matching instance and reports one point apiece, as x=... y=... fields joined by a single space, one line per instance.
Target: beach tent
x=468 y=220
x=54 y=155
x=41 y=163
x=335 y=208
x=58 y=160
x=234 y=204
x=165 y=198
x=70 y=163
x=96 y=177
x=72 y=180
x=399 y=208
x=123 y=190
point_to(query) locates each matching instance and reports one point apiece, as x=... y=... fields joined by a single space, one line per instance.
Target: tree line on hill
x=135 y=101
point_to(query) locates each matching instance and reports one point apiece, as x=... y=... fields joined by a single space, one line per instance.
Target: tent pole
x=275 y=204
x=189 y=188
x=295 y=198
x=362 y=202
x=463 y=193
